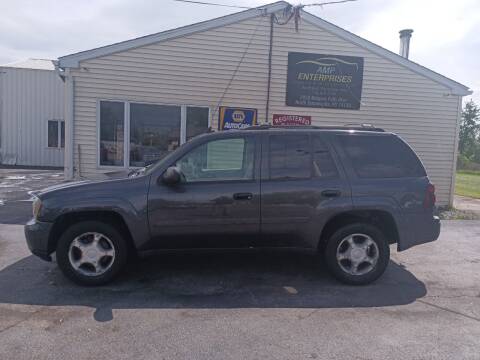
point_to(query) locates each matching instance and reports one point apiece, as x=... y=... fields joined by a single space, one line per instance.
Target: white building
x=133 y=101
x=31 y=114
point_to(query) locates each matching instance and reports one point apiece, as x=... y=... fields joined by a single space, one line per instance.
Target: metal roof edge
x=454 y=86
x=73 y=60
x=26 y=69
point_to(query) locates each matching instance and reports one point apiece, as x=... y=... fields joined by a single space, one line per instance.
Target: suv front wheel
x=91 y=252
x=357 y=254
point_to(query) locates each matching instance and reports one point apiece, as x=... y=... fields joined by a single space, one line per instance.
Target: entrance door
x=218 y=202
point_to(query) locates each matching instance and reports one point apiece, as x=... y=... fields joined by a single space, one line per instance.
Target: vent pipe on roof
x=405 y=36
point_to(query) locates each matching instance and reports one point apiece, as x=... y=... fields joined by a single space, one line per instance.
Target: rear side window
x=293 y=157
x=289 y=157
x=381 y=157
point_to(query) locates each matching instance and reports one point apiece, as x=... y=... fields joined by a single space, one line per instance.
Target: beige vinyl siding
x=195 y=70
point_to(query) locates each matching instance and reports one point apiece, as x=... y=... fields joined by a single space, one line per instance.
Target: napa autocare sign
x=324 y=81
x=291 y=120
x=236 y=118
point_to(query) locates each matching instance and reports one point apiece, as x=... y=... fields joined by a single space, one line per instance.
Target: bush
x=464 y=163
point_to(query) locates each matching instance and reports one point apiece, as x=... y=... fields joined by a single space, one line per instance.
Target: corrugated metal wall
x=196 y=69
x=28 y=99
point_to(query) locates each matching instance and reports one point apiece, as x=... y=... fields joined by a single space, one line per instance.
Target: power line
x=215 y=4
x=328 y=3
x=248 y=8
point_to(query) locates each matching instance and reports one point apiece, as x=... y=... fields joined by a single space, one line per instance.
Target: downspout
x=269 y=80
x=67 y=78
x=455 y=151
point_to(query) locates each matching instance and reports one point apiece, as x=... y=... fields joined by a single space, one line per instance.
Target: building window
x=56 y=134
x=136 y=134
x=62 y=134
x=154 y=132
x=112 y=116
x=197 y=121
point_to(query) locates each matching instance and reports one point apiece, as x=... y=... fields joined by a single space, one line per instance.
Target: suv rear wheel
x=357 y=254
x=91 y=252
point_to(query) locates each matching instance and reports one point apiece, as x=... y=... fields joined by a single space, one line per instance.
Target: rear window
x=381 y=156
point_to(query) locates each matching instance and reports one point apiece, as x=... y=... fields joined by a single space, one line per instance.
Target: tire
x=357 y=267
x=99 y=241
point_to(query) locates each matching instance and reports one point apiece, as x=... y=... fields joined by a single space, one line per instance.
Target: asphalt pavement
x=16 y=186
x=246 y=305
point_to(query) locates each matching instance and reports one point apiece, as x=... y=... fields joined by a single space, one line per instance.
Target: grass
x=468 y=184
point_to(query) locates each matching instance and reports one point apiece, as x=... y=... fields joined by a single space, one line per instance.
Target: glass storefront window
x=111 y=133
x=197 y=121
x=154 y=132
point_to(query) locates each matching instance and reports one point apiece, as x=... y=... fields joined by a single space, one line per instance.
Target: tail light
x=430 y=197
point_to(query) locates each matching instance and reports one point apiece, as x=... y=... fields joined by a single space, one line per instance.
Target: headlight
x=36 y=207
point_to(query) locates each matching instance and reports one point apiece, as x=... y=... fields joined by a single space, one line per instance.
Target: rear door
x=302 y=187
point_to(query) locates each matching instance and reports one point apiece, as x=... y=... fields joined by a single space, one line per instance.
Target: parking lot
x=15 y=187
x=237 y=305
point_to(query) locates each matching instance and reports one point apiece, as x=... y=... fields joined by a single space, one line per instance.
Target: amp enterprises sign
x=324 y=81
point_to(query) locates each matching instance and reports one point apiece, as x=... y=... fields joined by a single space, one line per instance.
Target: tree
x=469 y=141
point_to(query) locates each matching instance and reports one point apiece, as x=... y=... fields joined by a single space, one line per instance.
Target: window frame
x=126 y=124
x=59 y=134
x=246 y=138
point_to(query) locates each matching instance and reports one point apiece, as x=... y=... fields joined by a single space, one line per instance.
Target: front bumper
x=37 y=234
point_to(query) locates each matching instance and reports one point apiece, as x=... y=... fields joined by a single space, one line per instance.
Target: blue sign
x=236 y=118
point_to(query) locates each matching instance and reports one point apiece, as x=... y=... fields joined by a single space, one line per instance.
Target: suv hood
x=62 y=186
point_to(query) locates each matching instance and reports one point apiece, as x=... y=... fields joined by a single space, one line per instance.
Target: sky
x=445 y=37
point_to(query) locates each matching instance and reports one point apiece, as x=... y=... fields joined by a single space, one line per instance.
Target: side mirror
x=172 y=176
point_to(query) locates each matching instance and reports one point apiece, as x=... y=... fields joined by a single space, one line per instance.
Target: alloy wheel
x=357 y=254
x=91 y=254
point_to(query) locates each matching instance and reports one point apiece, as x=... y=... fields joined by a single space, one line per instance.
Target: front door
x=218 y=202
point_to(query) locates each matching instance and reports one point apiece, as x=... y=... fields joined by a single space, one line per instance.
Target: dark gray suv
x=346 y=193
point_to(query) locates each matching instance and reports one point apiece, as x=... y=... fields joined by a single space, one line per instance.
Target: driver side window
x=219 y=160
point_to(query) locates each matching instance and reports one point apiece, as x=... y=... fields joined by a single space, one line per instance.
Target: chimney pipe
x=405 y=36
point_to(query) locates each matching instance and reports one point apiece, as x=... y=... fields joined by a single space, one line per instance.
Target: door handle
x=331 y=193
x=242 y=196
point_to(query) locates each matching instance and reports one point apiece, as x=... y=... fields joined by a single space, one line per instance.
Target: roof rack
x=358 y=127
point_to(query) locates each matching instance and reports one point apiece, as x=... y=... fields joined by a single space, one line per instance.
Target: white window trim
x=59 y=134
x=126 y=128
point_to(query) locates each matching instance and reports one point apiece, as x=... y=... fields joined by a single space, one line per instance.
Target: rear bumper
x=37 y=234
x=423 y=228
